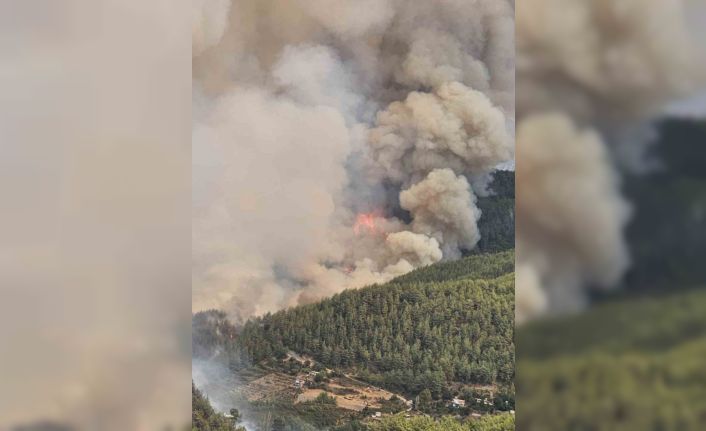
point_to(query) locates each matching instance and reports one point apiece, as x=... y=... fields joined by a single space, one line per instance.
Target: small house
x=458 y=403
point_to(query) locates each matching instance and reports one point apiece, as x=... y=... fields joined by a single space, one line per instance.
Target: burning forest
x=339 y=144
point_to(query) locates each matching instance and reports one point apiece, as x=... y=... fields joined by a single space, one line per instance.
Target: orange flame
x=365 y=223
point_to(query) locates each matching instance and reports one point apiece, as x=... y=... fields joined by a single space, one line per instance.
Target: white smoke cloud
x=530 y=300
x=266 y=199
x=313 y=75
x=209 y=22
x=336 y=144
x=588 y=73
x=455 y=127
x=443 y=207
x=570 y=215
x=94 y=170
x=416 y=249
x=603 y=60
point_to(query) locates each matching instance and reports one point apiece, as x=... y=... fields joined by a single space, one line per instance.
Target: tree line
x=435 y=326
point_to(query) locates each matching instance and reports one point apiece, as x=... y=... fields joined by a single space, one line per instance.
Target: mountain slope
x=441 y=324
x=635 y=364
x=477 y=266
x=501 y=422
x=438 y=332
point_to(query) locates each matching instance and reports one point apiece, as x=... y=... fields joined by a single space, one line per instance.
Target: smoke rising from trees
x=589 y=73
x=313 y=117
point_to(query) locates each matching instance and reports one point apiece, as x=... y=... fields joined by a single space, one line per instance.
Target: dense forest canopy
x=447 y=323
x=502 y=422
x=479 y=266
x=497 y=222
x=636 y=364
x=667 y=233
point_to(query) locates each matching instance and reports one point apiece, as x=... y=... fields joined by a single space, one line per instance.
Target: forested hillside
x=636 y=364
x=404 y=337
x=501 y=422
x=478 y=266
x=667 y=233
x=448 y=323
x=497 y=223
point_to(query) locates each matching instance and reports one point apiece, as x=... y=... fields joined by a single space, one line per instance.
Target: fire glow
x=365 y=223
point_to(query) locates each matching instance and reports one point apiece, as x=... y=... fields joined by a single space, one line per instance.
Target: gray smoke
x=443 y=207
x=209 y=22
x=213 y=378
x=589 y=73
x=93 y=261
x=570 y=215
x=341 y=143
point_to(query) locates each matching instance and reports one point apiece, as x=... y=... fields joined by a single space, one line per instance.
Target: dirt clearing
x=349 y=394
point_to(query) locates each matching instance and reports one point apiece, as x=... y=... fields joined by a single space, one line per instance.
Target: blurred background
x=95 y=250
x=611 y=215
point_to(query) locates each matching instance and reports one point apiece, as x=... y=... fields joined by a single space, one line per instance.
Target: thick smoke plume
x=443 y=207
x=341 y=143
x=570 y=231
x=589 y=72
x=94 y=181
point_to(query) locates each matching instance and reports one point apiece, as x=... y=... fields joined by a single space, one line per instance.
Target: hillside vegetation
x=479 y=266
x=667 y=233
x=451 y=322
x=635 y=360
x=497 y=223
x=636 y=365
x=501 y=422
x=436 y=333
